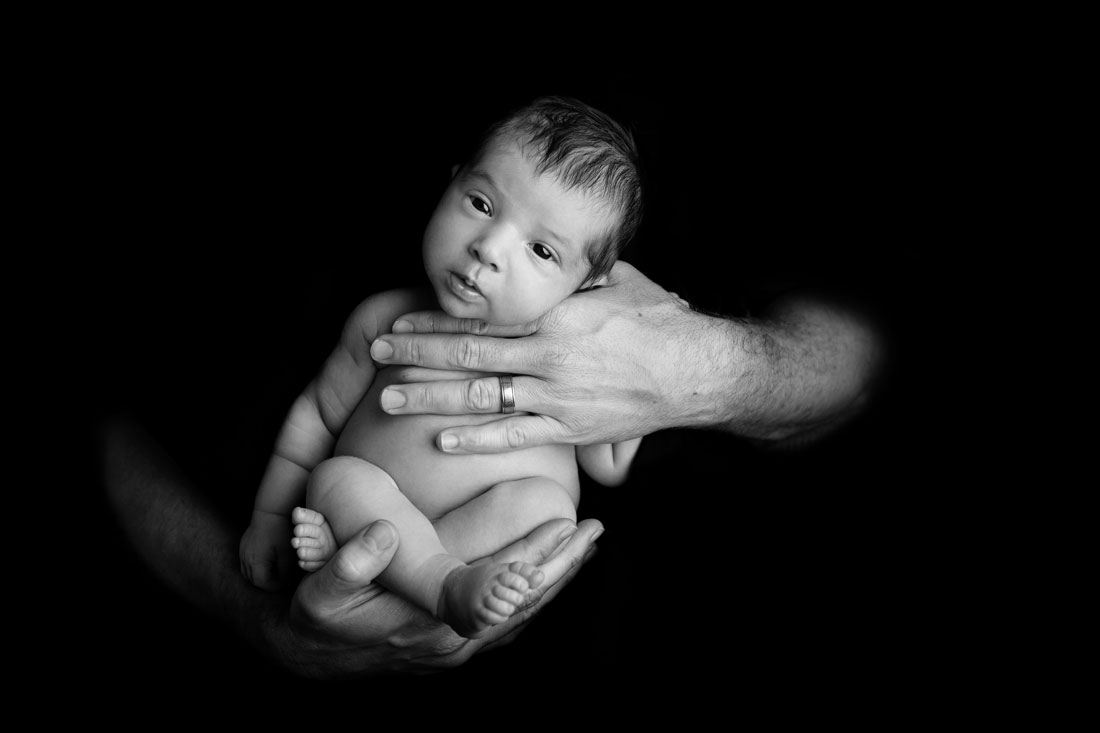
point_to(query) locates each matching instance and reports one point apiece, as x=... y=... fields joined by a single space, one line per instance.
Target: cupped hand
x=342 y=624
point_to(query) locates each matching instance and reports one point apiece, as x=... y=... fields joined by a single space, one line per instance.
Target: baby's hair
x=585 y=149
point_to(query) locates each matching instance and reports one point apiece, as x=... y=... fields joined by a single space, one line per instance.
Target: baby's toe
x=530 y=573
x=310 y=553
x=302 y=515
x=307 y=530
x=513 y=581
x=508 y=595
x=497 y=611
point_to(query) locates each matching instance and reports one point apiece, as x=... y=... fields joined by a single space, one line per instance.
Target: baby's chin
x=456 y=308
x=477 y=312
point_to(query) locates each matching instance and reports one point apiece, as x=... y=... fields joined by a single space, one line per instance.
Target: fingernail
x=448 y=441
x=392 y=399
x=402 y=326
x=380 y=350
x=379 y=536
x=596 y=534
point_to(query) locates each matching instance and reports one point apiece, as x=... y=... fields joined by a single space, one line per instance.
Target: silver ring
x=507 y=396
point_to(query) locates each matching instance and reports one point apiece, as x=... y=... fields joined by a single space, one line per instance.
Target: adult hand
x=604 y=366
x=338 y=623
x=630 y=358
x=342 y=624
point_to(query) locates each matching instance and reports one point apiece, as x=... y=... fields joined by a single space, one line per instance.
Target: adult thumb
x=359 y=561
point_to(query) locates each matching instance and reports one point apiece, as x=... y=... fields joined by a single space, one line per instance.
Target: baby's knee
x=343 y=476
x=538 y=499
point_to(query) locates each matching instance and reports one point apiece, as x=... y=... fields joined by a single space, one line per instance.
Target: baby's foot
x=477 y=597
x=313 y=540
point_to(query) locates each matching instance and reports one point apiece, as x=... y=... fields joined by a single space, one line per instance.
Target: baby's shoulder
x=376 y=314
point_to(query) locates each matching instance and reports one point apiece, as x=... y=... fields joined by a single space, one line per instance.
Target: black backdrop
x=239 y=215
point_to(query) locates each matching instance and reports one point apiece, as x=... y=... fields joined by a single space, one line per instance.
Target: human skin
x=630 y=358
x=505 y=243
x=337 y=623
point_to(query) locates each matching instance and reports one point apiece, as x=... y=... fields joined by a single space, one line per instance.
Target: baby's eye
x=480 y=204
x=542 y=251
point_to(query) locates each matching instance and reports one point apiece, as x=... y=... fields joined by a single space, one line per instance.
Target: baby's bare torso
x=436 y=482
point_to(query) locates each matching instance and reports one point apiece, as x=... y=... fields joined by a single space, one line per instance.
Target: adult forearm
x=798 y=372
x=185 y=543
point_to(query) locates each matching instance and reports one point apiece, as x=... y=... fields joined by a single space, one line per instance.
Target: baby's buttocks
x=404 y=447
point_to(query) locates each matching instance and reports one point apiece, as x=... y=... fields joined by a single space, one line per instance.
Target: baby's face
x=506 y=244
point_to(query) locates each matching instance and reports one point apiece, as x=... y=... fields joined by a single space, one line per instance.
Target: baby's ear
x=600 y=282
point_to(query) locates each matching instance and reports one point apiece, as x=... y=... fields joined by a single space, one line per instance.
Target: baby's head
x=543 y=209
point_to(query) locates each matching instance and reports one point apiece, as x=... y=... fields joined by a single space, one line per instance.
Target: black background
x=235 y=212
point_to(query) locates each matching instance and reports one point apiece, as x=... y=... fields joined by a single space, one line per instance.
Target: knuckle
x=466 y=353
x=558 y=359
x=515 y=435
x=344 y=568
x=561 y=357
x=413 y=352
x=479 y=395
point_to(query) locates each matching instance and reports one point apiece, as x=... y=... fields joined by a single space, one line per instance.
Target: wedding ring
x=507 y=396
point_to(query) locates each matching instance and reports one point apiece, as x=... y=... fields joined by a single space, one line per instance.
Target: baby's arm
x=608 y=463
x=308 y=435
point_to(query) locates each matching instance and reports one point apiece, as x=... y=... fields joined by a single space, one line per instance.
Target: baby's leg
x=507 y=512
x=352 y=493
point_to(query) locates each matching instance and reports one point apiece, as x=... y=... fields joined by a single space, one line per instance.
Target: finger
x=539 y=546
x=573 y=554
x=557 y=577
x=465 y=352
x=423 y=374
x=500 y=436
x=481 y=396
x=358 y=562
x=440 y=322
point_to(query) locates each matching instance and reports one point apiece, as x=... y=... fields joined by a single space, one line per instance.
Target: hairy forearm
x=185 y=543
x=798 y=372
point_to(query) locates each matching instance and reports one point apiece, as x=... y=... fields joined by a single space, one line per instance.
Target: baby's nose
x=489 y=252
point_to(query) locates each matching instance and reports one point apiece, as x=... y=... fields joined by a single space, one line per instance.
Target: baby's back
x=436 y=482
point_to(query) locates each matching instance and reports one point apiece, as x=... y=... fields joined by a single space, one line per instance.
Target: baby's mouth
x=465 y=288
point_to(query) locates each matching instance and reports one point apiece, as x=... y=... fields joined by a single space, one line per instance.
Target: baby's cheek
x=518 y=311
